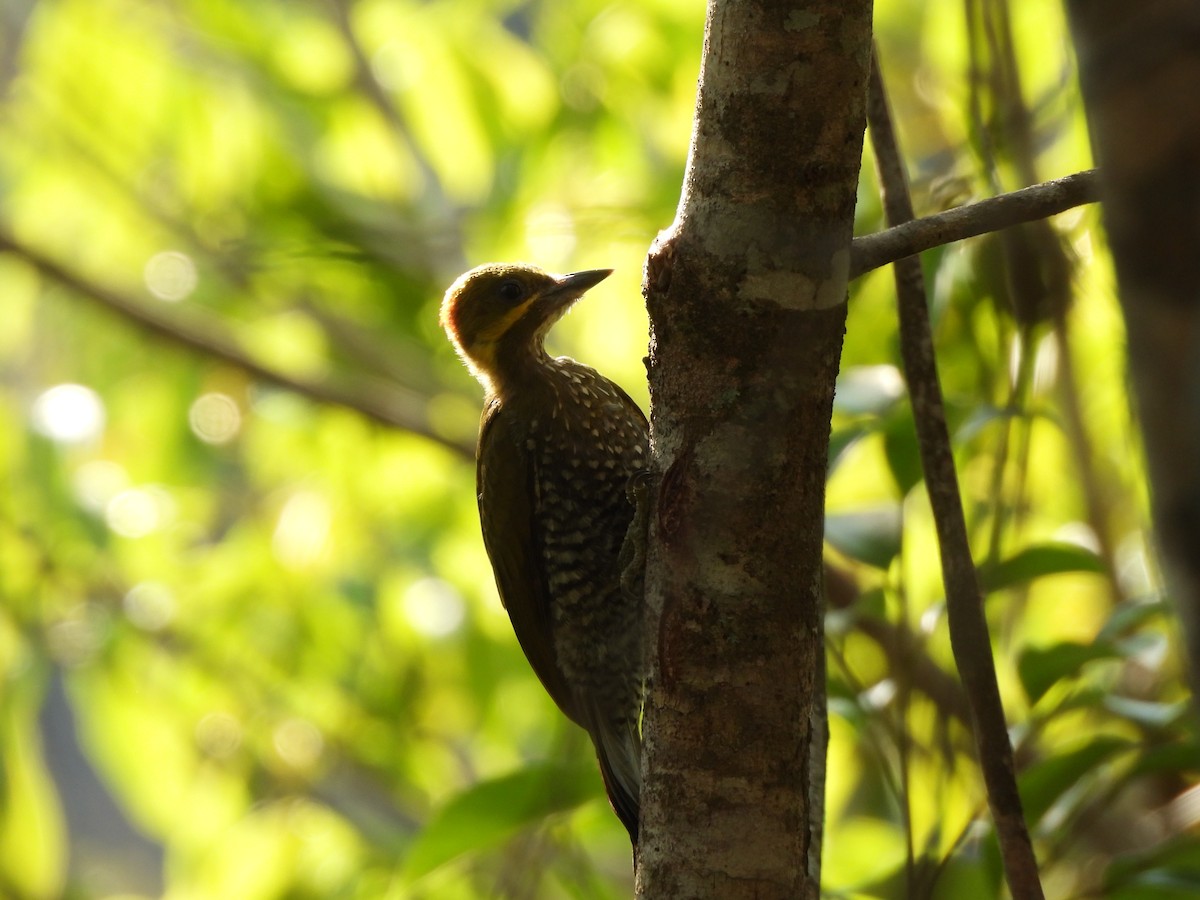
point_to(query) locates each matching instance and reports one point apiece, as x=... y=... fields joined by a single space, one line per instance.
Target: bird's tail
x=619 y=750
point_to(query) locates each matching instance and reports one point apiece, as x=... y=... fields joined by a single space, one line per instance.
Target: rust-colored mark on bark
x=673 y=496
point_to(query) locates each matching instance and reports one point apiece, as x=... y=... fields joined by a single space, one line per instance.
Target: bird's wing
x=505 y=483
x=629 y=402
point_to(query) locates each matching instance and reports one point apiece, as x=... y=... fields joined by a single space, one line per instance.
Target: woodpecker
x=559 y=448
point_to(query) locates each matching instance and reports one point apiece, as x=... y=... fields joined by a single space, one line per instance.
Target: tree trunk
x=1139 y=66
x=746 y=293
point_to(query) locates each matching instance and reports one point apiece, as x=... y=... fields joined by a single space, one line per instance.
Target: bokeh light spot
x=74 y=639
x=170 y=275
x=149 y=605
x=433 y=607
x=95 y=483
x=298 y=743
x=69 y=414
x=879 y=695
x=215 y=418
x=218 y=735
x=303 y=529
x=137 y=512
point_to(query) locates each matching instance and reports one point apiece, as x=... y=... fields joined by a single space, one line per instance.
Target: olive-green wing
x=505 y=481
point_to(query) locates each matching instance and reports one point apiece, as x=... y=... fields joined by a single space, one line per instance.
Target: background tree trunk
x=746 y=293
x=1139 y=67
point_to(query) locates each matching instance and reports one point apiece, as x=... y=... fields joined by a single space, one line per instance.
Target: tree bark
x=1139 y=67
x=746 y=293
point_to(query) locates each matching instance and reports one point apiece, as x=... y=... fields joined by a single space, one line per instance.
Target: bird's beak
x=581 y=281
x=569 y=288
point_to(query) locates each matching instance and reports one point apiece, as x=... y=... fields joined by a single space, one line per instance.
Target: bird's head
x=497 y=315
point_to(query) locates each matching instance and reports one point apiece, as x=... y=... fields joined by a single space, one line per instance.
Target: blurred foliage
x=250 y=645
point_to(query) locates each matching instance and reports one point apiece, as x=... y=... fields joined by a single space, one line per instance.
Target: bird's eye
x=511 y=290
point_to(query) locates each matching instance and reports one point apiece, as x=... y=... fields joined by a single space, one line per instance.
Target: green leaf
x=1159 y=884
x=868 y=390
x=1130 y=614
x=870 y=535
x=488 y=812
x=841 y=441
x=1044 y=782
x=900 y=447
x=975 y=872
x=1147 y=713
x=1168 y=870
x=980 y=417
x=1178 y=757
x=1041 y=667
x=1036 y=561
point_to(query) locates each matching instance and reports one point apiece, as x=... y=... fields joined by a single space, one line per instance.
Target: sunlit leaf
x=868 y=389
x=841 y=441
x=1034 y=562
x=1045 y=781
x=1041 y=667
x=869 y=851
x=1130 y=615
x=490 y=811
x=1148 y=713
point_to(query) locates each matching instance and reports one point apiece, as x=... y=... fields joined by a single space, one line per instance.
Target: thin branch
x=434 y=193
x=969 y=636
x=994 y=214
x=376 y=400
x=400 y=361
x=15 y=17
